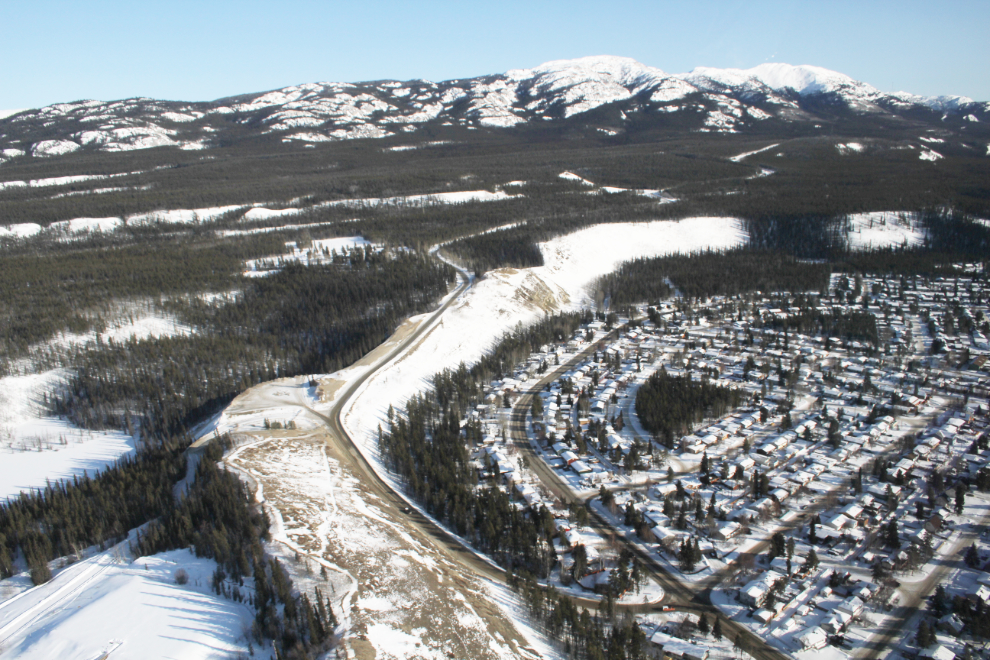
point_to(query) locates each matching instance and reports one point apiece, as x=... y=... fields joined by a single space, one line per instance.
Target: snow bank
x=135 y=610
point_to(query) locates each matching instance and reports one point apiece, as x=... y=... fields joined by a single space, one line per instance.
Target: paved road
x=681 y=595
x=346 y=450
x=918 y=592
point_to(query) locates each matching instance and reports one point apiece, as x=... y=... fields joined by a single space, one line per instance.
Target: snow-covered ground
x=36 y=448
x=396 y=594
x=320 y=251
x=143 y=325
x=509 y=296
x=741 y=157
x=881 y=229
x=134 y=609
x=645 y=192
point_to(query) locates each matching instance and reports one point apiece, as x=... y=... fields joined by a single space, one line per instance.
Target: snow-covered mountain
x=706 y=99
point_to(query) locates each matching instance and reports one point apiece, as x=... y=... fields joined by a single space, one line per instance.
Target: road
x=678 y=594
x=918 y=593
x=346 y=448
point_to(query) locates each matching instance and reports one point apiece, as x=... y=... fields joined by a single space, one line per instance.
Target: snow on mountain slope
x=586 y=83
x=330 y=111
x=508 y=297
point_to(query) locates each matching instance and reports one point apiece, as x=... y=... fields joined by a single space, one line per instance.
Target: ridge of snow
x=324 y=111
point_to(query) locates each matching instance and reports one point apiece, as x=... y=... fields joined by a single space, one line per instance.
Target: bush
x=40 y=573
x=181 y=577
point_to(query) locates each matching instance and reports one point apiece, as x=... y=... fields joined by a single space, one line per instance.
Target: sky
x=198 y=51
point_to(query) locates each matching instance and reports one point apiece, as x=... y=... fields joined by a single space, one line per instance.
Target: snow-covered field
x=36 y=448
x=881 y=229
x=136 y=610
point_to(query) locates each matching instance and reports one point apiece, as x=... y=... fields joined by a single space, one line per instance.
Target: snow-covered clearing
x=459 y=197
x=134 y=609
x=182 y=216
x=61 y=180
x=741 y=157
x=143 y=325
x=645 y=192
x=320 y=251
x=227 y=233
x=80 y=225
x=849 y=147
x=20 y=230
x=881 y=229
x=37 y=448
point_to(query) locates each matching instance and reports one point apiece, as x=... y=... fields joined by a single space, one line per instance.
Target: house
x=677 y=649
x=938 y=653
x=851 y=606
x=580 y=467
x=727 y=531
x=951 y=623
x=837 y=622
x=813 y=638
x=934 y=524
x=754 y=593
x=597 y=581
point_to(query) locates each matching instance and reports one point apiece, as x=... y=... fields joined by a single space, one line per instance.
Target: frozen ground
x=397 y=594
x=133 y=608
x=36 y=448
x=882 y=229
x=139 y=325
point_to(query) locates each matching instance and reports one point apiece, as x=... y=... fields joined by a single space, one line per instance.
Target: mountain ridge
x=714 y=100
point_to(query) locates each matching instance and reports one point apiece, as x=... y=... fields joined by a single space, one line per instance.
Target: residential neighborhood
x=824 y=512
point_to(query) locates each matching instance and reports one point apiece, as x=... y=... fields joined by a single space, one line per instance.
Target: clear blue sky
x=197 y=51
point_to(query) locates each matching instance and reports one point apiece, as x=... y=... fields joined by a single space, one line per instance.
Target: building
x=813 y=638
x=666 y=647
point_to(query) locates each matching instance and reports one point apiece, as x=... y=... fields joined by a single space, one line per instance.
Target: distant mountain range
x=609 y=92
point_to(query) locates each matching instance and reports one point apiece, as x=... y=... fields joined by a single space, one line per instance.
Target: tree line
x=670 y=405
x=301 y=320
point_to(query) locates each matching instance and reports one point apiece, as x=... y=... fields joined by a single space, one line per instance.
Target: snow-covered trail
x=17 y=615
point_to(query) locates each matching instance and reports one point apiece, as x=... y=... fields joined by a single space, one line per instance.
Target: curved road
x=679 y=593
